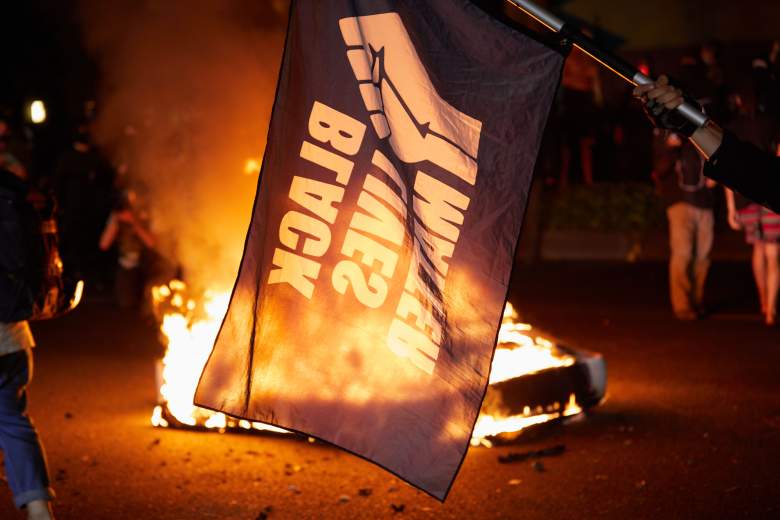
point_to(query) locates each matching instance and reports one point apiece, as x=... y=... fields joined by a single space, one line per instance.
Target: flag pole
x=614 y=63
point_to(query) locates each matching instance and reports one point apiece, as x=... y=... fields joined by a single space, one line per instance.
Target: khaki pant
x=690 y=241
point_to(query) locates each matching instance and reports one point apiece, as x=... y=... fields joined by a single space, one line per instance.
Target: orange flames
x=190 y=326
x=518 y=354
x=190 y=329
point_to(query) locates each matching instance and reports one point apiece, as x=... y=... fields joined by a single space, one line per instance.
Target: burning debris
x=532 y=381
x=189 y=327
x=535 y=381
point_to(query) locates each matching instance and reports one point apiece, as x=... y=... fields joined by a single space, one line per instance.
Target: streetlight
x=37 y=112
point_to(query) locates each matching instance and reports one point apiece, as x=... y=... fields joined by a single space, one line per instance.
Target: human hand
x=660 y=101
x=660 y=92
x=733 y=222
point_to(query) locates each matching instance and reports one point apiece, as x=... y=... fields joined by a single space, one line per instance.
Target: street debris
x=513 y=457
x=295 y=489
x=263 y=515
x=515 y=482
x=365 y=492
x=343 y=499
x=398 y=508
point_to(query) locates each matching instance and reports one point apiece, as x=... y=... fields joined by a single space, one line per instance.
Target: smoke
x=184 y=99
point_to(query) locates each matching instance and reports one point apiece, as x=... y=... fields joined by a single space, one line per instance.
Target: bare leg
x=759 y=272
x=681 y=232
x=586 y=159
x=772 y=281
x=705 y=225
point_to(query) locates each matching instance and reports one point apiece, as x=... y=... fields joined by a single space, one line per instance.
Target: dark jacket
x=748 y=170
x=677 y=171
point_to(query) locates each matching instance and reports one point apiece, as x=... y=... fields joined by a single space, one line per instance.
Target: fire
x=189 y=329
x=519 y=354
x=491 y=426
x=190 y=325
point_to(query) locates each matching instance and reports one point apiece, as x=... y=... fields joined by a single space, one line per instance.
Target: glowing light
x=37 y=112
x=251 y=166
x=190 y=326
x=77 y=294
x=157 y=418
x=189 y=345
x=519 y=353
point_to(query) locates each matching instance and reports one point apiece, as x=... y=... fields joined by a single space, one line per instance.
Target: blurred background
x=172 y=101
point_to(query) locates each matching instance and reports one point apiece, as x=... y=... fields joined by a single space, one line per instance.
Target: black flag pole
x=614 y=63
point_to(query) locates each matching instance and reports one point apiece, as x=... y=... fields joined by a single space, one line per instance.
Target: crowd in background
x=104 y=230
x=596 y=134
x=749 y=106
x=594 y=137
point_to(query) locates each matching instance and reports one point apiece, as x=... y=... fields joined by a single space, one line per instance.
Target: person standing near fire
x=25 y=462
x=128 y=227
x=84 y=184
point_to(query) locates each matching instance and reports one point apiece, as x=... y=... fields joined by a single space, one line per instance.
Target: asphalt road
x=690 y=429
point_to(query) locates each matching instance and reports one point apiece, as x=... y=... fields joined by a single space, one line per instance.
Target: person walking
x=689 y=208
x=761 y=225
x=762 y=231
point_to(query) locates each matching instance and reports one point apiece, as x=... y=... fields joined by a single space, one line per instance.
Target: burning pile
x=189 y=328
x=532 y=380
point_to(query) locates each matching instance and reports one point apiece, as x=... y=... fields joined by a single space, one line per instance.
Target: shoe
x=770 y=320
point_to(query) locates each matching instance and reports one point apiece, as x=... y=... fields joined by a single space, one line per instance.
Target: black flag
x=399 y=158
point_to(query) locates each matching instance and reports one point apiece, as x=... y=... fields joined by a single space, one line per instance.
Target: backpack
x=32 y=282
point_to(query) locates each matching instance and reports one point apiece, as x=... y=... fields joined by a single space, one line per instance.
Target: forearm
x=146 y=236
x=746 y=169
x=108 y=236
x=730 y=201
